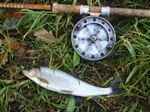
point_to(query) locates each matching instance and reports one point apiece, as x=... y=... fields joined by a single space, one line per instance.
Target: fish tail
x=116 y=90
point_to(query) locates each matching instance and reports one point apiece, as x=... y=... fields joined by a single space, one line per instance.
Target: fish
x=62 y=82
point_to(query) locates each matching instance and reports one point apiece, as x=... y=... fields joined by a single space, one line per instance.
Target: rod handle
x=57 y=8
x=25 y=6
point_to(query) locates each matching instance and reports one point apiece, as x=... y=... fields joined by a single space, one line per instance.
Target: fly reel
x=93 y=38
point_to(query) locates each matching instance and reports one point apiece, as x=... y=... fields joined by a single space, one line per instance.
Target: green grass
x=130 y=60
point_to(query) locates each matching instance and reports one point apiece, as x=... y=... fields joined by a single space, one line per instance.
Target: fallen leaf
x=20 y=52
x=9 y=70
x=14 y=44
x=10 y=24
x=45 y=36
x=12 y=71
x=12 y=14
x=52 y=110
x=3 y=58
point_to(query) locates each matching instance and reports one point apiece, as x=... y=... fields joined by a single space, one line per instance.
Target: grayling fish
x=59 y=81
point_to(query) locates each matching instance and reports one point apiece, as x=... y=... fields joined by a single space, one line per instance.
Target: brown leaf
x=11 y=14
x=45 y=36
x=14 y=44
x=52 y=110
x=11 y=72
x=20 y=52
x=3 y=58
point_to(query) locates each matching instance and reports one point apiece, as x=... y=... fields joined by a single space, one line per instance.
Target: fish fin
x=43 y=80
x=116 y=90
x=78 y=100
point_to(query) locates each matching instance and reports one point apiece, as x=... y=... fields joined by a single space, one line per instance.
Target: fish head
x=31 y=73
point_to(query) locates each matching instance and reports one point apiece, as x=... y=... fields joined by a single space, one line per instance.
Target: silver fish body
x=59 y=81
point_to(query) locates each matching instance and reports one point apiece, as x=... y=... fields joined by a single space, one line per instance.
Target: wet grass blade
x=131 y=73
x=76 y=59
x=130 y=48
x=20 y=83
x=71 y=104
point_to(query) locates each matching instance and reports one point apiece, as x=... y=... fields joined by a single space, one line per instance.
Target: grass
x=130 y=60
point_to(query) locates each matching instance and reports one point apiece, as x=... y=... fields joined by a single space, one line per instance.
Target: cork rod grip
x=57 y=8
x=25 y=6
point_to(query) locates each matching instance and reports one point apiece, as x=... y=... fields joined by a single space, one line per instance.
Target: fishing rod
x=81 y=9
x=93 y=37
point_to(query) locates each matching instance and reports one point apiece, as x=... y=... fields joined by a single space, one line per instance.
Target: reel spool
x=93 y=38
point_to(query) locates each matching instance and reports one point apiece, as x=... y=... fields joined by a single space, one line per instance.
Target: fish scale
x=59 y=81
x=70 y=83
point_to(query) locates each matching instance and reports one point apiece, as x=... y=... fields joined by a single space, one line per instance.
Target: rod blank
x=130 y=12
